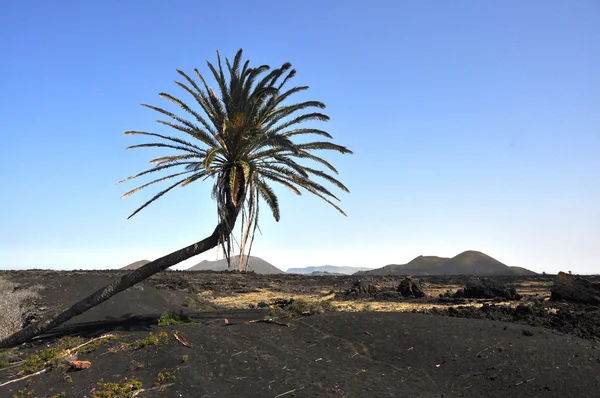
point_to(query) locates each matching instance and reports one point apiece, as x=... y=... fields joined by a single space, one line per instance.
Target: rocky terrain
x=246 y=334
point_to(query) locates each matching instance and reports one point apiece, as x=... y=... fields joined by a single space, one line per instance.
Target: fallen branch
x=227 y=323
x=65 y=353
x=13 y=365
x=25 y=377
x=157 y=388
x=482 y=351
x=285 y=393
x=104 y=336
x=524 y=381
x=181 y=339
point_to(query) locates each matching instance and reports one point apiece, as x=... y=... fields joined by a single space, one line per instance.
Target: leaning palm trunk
x=126 y=281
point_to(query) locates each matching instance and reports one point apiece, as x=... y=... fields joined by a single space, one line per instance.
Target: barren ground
x=355 y=346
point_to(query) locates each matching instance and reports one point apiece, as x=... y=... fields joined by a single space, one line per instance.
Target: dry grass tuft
x=14 y=303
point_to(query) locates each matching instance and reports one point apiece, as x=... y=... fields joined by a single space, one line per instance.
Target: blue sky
x=474 y=125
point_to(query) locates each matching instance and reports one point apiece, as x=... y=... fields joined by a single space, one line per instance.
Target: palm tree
x=243 y=139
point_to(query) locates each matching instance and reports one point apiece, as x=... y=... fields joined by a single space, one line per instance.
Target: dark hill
x=422 y=265
x=136 y=265
x=255 y=264
x=467 y=263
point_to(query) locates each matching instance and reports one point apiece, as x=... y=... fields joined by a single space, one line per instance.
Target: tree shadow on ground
x=141 y=323
x=125 y=323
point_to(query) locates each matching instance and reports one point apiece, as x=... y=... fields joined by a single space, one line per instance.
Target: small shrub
x=152 y=339
x=125 y=388
x=184 y=358
x=41 y=359
x=57 y=356
x=137 y=365
x=175 y=318
x=24 y=393
x=164 y=378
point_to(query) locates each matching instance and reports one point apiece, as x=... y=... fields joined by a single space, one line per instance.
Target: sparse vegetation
x=137 y=365
x=302 y=307
x=58 y=355
x=124 y=388
x=24 y=393
x=184 y=358
x=175 y=318
x=152 y=339
x=41 y=359
x=164 y=378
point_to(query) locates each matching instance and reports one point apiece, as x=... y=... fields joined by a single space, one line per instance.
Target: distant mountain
x=466 y=263
x=324 y=273
x=255 y=264
x=330 y=269
x=136 y=265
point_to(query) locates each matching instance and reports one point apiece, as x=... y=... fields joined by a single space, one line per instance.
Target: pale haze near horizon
x=474 y=127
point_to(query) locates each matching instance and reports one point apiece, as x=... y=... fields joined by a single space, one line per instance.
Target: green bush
x=175 y=318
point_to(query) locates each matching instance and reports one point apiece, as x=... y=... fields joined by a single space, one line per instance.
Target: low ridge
x=470 y=262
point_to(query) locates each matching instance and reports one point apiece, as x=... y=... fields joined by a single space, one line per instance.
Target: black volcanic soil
x=539 y=348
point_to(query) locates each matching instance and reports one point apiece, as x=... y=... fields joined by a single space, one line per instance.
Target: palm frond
x=324 y=146
x=155 y=197
x=267 y=193
x=243 y=138
x=153 y=170
x=300 y=119
x=126 y=194
x=164 y=137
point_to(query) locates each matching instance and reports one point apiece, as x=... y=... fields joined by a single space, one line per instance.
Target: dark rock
x=575 y=289
x=522 y=311
x=387 y=295
x=409 y=287
x=362 y=287
x=282 y=303
x=485 y=288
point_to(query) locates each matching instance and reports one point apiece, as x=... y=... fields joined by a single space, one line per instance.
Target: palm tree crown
x=244 y=140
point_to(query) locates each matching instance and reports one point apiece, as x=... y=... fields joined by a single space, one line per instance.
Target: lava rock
x=575 y=289
x=388 y=295
x=409 y=287
x=486 y=288
x=361 y=287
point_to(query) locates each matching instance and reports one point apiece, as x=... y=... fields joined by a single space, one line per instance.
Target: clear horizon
x=474 y=126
